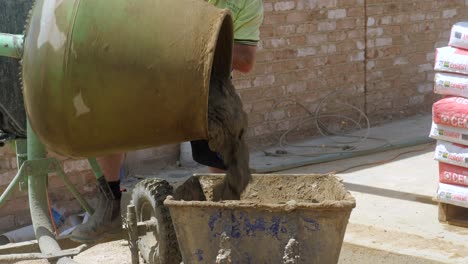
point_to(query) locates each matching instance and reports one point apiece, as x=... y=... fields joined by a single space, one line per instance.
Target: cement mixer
x=101 y=77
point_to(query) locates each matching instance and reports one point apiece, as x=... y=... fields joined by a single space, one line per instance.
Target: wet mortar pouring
x=73 y=58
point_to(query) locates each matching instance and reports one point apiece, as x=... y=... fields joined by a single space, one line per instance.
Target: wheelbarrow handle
x=11 y=45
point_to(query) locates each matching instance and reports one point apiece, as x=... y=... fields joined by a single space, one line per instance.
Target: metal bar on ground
x=11 y=45
x=61 y=255
x=66 y=243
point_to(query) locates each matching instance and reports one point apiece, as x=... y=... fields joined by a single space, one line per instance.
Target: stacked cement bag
x=450 y=117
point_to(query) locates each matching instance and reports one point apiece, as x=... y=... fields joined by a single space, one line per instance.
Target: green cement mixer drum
x=111 y=76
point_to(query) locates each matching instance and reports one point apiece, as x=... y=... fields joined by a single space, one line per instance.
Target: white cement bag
x=459 y=35
x=449 y=59
x=451 y=153
x=453 y=194
x=450 y=134
x=451 y=84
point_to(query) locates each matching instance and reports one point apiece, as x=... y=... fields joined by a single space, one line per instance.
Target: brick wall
x=377 y=54
x=401 y=39
x=308 y=49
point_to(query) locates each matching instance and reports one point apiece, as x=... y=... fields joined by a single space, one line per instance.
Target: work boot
x=105 y=220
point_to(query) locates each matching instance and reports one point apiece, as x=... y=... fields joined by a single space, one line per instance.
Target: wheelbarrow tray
x=279 y=219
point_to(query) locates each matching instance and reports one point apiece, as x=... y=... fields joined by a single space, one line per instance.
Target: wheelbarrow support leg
x=132 y=227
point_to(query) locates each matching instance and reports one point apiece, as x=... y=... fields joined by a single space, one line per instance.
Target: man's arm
x=246 y=35
x=243 y=57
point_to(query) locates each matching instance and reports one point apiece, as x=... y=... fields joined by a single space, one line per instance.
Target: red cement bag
x=451 y=111
x=452 y=174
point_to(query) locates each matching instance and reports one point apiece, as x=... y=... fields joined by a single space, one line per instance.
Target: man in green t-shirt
x=247 y=17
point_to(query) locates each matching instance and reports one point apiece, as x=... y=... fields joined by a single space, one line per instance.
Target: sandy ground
x=115 y=252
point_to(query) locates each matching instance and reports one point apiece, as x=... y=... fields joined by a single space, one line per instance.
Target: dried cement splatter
x=227 y=123
x=291 y=252
x=224 y=253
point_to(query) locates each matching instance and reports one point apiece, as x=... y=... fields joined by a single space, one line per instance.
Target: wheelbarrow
x=279 y=219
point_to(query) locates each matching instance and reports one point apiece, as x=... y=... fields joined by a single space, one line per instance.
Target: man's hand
x=243 y=57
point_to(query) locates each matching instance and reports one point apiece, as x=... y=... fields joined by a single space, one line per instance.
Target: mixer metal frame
x=34 y=168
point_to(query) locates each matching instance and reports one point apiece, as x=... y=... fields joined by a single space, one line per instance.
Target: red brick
x=375 y=10
x=285 y=54
x=296 y=87
x=274 y=19
x=251 y=95
x=326 y=3
x=261 y=106
x=355 y=12
x=285 y=30
x=275 y=115
x=327 y=26
x=346 y=24
x=264 y=80
x=261 y=130
x=297 y=17
x=273 y=92
x=284 y=5
x=306 y=28
x=73 y=165
x=255 y=119
x=296 y=40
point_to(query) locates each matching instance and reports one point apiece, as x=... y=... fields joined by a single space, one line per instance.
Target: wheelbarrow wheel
x=159 y=245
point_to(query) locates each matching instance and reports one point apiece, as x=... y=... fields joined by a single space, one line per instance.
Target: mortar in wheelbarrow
x=279 y=219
